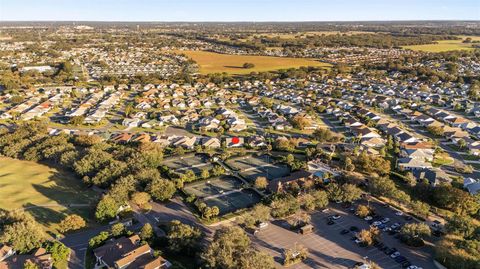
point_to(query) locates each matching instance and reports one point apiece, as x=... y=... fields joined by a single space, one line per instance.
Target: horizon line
x=251 y=21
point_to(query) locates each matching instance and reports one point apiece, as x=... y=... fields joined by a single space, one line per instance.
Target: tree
x=368 y=237
x=59 y=252
x=107 y=208
x=261 y=183
x=410 y=179
x=205 y=174
x=248 y=65
x=77 y=120
x=420 y=208
x=350 y=193
x=300 y=122
x=363 y=211
x=436 y=130
x=293 y=255
x=290 y=159
x=147 y=232
x=414 y=233
x=259 y=213
x=23 y=236
x=335 y=192
x=117 y=229
x=461 y=225
x=141 y=199
x=30 y=265
x=161 y=189
x=349 y=166
x=183 y=237
x=98 y=239
x=284 y=205
x=325 y=135
x=71 y=223
x=231 y=249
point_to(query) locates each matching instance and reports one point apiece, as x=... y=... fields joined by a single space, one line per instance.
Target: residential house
x=126 y=253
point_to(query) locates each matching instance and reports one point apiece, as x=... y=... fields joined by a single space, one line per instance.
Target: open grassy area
x=47 y=193
x=445 y=45
x=211 y=62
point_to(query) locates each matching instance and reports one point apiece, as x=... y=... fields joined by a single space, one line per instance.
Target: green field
x=48 y=194
x=211 y=62
x=445 y=45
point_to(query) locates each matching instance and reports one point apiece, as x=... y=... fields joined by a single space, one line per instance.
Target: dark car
x=406 y=264
x=354 y=229
x=330 y=222
x=344 y=231
x=408 y=217
x=390 y=251
x=400 y=259
x=437 y=233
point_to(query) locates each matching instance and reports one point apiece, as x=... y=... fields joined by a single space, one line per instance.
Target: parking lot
x=329 y=248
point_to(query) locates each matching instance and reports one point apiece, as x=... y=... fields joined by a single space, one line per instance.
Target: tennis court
x=193 y=162
x=234 y=201
x=252 y=167
x=215 y=186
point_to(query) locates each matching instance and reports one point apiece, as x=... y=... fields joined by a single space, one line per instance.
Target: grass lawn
x=43 y=191
x=442 y=159
x=211 y=62
x=445 y=45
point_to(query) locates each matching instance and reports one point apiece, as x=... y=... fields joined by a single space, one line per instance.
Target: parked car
x=385 y=220
x=262 y=225
x=395 y=254
x=399 y=213
x=344 y=231
x=367 y=218
x=330 y=222
x=335 y=217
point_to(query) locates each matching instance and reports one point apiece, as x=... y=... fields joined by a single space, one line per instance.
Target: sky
x=238 y=10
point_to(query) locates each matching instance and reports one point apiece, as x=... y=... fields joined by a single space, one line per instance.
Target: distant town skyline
x=238 y=10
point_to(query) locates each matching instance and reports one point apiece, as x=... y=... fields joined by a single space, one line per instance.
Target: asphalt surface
x=330 y=249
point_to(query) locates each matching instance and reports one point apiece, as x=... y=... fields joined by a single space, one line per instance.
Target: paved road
x=78 y=242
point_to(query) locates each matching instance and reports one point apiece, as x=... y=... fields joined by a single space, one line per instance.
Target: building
x=123 y=253
x=282 y=183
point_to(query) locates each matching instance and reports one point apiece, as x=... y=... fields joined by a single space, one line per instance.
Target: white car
x=399 y=213
x=385 y=220
x=367 y=218
x=394 y=255
x=358 y=241
x=376 y=223
x=414 y=267
x=335 y=217
x=262 y=225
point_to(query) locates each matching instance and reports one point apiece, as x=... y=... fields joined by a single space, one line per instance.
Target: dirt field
x=210 y=62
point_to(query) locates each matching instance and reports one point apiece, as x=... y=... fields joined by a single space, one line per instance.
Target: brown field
x=211 y=62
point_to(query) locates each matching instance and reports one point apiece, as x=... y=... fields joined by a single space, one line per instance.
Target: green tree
x=161 y=189
x=30 y=265
x=183 y=237
x=106 y=209
x=147 y=232
x=231 y=249
x=60 y=253
x=117 y=229
x=414 y=233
